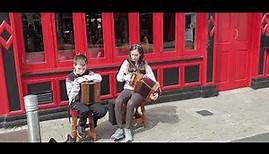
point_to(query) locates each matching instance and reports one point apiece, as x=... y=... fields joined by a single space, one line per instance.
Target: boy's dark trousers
x=97 y=110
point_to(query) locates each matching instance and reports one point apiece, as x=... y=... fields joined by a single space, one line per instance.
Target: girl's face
x=135 y=55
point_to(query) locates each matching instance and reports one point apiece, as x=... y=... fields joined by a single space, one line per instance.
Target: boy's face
x=79 y=69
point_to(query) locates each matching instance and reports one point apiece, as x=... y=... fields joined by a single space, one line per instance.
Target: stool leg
x=92 y=131
x=136 y=117
x=74 y=125
x=144 y=118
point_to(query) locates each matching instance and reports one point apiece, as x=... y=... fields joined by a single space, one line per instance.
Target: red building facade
x=192 y=54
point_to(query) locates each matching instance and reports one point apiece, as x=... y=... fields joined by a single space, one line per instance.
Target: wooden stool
x=74 y=126
x=138 y=117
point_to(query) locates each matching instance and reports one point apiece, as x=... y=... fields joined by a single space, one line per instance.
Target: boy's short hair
x=80 y=60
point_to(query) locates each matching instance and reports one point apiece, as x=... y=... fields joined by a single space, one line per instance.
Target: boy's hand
x=80 y=79
x=87 y=77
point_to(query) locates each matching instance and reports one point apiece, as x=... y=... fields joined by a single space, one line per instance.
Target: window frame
x=200 y=32
x=36 y=80
x=191 y=84
x=176 y=52
x=155 y=27
x=77 y=38
x=171 y=87
x=106 y=38
x=30 y=67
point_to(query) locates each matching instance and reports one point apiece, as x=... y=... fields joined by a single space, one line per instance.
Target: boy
x=73 y=81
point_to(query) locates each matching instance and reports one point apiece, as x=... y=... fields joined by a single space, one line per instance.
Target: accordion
x=136 y=77
x=145 y=86
x=90 y=92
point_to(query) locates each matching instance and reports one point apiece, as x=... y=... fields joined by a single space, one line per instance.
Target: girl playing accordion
x=134 y=63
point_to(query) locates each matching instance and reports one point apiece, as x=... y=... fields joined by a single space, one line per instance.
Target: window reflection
x=33 y=37
x=169 y=31
x=121 y=28
x=95 y=35
x=65 y=36
x=190 y=30
x=146 y=31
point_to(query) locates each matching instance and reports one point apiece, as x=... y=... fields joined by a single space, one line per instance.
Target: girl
x=135 y=62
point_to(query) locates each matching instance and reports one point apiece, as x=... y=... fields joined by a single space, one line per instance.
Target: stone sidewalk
x=235 y=115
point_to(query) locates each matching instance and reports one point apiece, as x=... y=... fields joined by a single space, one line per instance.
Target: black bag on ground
x=52 y=140
x=112 y=116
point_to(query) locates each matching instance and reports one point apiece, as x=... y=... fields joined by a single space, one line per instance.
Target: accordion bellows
x=144 y=85
x=90 y=92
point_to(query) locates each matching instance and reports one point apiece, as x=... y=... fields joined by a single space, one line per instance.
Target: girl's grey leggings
x=133 y=100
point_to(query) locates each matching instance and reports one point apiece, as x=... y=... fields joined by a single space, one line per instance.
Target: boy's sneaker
x=119 y=134
x=128 y=135
x=82 y=132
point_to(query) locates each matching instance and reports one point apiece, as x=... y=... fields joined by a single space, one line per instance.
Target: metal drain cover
x=204 y=113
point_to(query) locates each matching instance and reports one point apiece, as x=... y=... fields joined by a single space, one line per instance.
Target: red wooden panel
x=223 y=67
x=223 y=28
x=232 y=50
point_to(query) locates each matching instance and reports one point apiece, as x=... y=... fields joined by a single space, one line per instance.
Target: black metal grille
x=204 y=113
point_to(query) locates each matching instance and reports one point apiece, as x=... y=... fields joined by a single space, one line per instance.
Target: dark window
x=33 y=37
x=169 y=31
x=146 y=31
x=43 y=92
x=105 y=89
x=191 y=74
x=95 y=35
x=121 y=29
x=171 y=76
x=65 y=36
x=63 y=92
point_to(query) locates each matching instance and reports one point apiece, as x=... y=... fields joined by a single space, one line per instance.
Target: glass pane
x=146 y=31
x=33 y=37
x=191 y=74
x=169 y=31
x=95 y=35
x=105 y=88
x=63 y=93
x=121 y=28
x=190 y=30
x=65 y=36
x=170 y=76
x=43 y=92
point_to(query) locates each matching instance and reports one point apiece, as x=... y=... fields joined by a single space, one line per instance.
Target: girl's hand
x=154 y=96
x=127 y=77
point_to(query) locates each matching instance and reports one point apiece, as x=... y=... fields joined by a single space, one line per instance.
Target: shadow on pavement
x=163 y=114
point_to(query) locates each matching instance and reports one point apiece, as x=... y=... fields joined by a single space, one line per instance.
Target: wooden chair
x=139 y=118
x=87 y=96
x=89 y=126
